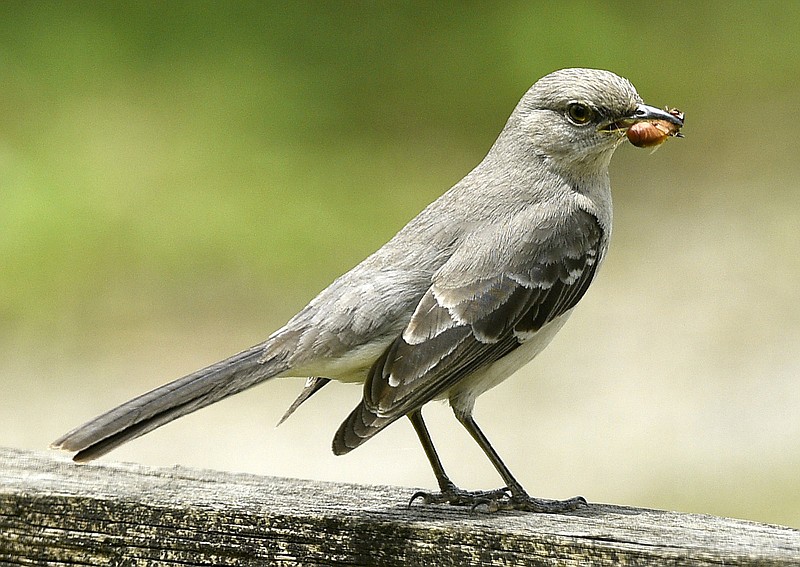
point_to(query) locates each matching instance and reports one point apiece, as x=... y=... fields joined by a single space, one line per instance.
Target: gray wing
x=480 y=307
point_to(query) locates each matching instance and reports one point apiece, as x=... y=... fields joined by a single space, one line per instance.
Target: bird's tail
x=170 y=401
x=361 y=425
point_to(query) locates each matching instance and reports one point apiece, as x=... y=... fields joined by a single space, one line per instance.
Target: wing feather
x=470 y=319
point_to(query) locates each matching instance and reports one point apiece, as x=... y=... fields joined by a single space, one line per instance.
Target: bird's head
x=578 y=117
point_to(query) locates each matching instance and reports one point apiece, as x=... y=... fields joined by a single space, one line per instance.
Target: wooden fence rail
x=53 y=512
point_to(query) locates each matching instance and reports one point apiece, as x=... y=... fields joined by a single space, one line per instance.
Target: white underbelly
x=462 y=396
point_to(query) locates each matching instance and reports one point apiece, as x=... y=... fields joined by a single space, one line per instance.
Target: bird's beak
x=645 y=113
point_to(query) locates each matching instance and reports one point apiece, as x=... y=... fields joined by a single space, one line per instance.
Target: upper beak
x=645 y=113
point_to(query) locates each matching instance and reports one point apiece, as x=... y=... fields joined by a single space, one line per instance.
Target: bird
x=468 y=292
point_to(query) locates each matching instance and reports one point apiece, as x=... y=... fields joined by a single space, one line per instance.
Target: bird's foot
x=457 y=497
x=500 y=499
x=527 y=504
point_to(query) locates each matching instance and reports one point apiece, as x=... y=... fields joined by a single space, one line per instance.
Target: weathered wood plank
x=57 y=513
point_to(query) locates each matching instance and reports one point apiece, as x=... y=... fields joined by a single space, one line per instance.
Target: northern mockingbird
x=464 y=295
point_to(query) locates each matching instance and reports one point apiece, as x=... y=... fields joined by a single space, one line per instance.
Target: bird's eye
x=579 y=113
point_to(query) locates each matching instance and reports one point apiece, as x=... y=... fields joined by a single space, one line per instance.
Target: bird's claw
x=525 y=503
x=501 y=499
x=457 y=497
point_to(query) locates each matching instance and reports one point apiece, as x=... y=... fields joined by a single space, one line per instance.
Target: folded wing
x=494 y=293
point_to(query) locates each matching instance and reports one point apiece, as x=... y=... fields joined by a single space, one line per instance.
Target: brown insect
x=652 y=133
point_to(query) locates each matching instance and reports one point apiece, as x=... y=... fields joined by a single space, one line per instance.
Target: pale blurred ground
x=159 y=213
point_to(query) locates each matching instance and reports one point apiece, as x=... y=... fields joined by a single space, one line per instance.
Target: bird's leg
x=519 y=499
x=449 y=492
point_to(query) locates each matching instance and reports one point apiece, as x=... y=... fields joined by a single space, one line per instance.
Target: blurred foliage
x=185 y=153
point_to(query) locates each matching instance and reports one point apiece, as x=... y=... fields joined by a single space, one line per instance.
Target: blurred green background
x=177 y=179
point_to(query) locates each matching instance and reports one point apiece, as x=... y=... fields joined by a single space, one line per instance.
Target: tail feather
x=361 y=425
x=313 y=385
x=166 y=403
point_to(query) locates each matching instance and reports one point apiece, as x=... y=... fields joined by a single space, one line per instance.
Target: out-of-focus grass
x=177 y=179
x=149 y=149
